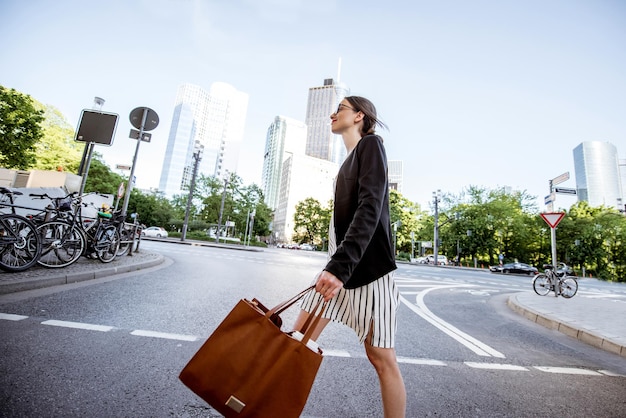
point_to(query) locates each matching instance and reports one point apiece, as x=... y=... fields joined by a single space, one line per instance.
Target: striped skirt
x=373 y=305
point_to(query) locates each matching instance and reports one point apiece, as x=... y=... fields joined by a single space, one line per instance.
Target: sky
x=475 y=93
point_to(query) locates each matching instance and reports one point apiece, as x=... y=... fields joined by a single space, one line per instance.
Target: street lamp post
x=219 y=221
x=252 y=215
x=436 y=200
x=197 y=156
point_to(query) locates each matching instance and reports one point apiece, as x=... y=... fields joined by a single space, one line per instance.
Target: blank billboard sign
x=97 y=127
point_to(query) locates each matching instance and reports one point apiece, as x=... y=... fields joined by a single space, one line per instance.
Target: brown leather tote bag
x=248 y=367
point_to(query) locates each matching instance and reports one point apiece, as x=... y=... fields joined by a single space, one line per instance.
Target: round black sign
x=152 y=119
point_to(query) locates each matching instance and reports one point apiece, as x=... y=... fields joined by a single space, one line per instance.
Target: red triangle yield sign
x=552 y=218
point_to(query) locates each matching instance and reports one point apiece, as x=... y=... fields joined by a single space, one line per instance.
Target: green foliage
x=407 y=215
x=20 y=129
x=482 y=224
x=152 y=209
x=57 y=149
x=593 y=238
x=240 y=202
x=311 y=222
x=100 y=178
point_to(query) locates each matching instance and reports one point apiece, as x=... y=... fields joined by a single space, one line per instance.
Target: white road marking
x=423 y=361
x=164 y=335
x=467 y=340
x=335 y=353
x=567 y=370
x=327 y=352
x=610 y=373
x=77 y=325
x=495 y=366
x=600 y=296
x=12 y=317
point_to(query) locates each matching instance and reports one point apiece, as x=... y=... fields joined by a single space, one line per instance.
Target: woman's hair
x=363 y=105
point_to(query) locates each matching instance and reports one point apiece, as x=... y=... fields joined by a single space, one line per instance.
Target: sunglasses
x=341 y=105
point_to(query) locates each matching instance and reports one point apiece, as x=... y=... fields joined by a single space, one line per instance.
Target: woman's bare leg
x=303 y=316
x=391 y=383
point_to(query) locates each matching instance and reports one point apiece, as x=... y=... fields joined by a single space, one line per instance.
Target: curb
x=586 y=336
x=67 y=278
x=197 y=243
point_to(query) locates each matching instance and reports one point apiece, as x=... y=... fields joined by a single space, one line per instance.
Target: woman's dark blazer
x=361 y=216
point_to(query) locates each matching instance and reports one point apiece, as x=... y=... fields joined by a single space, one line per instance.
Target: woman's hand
x=328 y=285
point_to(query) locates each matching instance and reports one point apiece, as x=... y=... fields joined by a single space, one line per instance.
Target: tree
x=500 y=221
x=262 y=220
x=57 y=149
x=251 y=201
x=593 y=238
x=151 y=208
x=405 y=214
x=100 y=178
x=20 y=129
x=311 y=222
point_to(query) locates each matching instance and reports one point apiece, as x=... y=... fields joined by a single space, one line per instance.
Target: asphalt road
x=114 y=346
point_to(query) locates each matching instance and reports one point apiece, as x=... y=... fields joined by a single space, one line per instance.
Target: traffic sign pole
x=553 y=219
x=132 y=168
x=149 y=120
x=553 y=238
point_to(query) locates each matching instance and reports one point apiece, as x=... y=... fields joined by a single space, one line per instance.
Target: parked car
x=442 y=260
x=154 y=231
x=307 y=247
x=517 y=268
x=564 y=269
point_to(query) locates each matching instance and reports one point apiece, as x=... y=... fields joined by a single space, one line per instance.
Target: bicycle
x=62 y=242
x=544 y=283
x=20 y=245
x=69 y=235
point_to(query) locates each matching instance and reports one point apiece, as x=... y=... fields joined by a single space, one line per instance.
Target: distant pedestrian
x=358 y=279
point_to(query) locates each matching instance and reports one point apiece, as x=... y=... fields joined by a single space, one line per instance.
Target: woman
x=357 y=281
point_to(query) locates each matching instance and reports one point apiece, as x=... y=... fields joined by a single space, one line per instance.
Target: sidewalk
x=596 y=321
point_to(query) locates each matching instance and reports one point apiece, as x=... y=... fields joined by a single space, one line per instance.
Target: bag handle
x=314 y=317
x=311 y=322
x=278 y=309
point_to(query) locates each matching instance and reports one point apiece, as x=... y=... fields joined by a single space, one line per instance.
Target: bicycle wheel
x=61 y=244
x=568 y=287
x=541 y=284
x=126 y=237
x=107 y=243
x=20 y=245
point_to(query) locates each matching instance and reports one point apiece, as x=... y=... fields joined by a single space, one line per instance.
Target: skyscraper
x=597 y=173
x=285 y=137
x=321 y=142
x=214 y=119
x=622 y=171
x=302 y=177
x=395 y=170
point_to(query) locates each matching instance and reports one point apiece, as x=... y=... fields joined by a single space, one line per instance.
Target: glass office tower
x=213 y=119
x=285 y=137
x=597 y=173
x=321 y=142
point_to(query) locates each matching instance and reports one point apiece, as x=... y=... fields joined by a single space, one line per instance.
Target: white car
x=154 y=231
x=442 y=260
